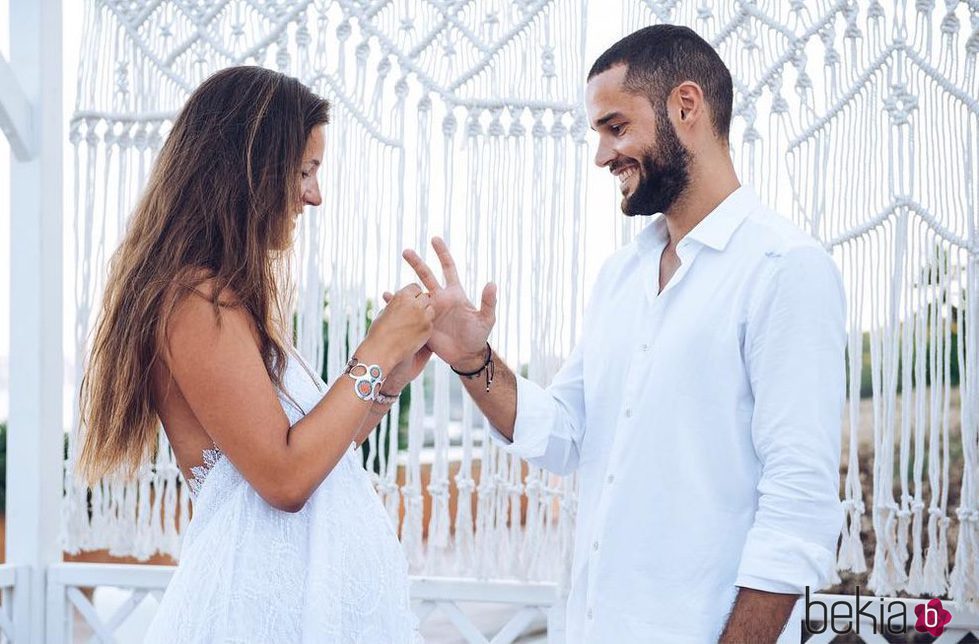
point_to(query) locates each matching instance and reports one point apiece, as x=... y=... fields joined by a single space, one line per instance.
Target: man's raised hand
x=460 y=330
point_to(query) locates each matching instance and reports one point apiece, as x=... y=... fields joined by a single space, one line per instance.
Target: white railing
x=72 y=614
x=14 y=613
x=533 y=607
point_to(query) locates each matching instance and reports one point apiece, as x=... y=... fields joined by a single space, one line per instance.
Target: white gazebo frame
x=31 y=118
x=39 y=590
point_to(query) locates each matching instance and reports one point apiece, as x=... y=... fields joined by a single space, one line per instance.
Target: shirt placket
x=639 y=364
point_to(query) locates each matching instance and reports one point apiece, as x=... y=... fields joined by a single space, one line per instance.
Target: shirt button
x=628 y=413
x=644 y=347
x=611 y=477
x=590 y=614
x=594 y=546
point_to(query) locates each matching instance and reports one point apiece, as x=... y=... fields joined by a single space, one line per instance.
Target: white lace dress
x=332 y=572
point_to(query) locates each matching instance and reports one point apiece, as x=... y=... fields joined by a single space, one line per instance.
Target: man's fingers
x=445 y=258
x=421 y=269
x=487 y=307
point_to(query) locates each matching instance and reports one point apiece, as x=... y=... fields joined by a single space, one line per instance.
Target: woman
x=288 y=542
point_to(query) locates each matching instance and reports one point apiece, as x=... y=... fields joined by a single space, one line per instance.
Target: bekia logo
x=932 y=617
x=882 y=617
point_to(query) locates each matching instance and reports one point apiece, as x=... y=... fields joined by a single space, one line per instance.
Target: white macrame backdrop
x=858 y=119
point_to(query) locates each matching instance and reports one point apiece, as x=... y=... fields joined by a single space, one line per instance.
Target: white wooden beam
x=15 y=113
x=35 y=436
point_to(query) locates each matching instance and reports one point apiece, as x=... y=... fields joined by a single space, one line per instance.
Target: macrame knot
x=803 y=82
x=704 y=12
x=495 y=126
x=383 y=67
x=579 y=129
x=407 y=25
x=547 y=62
x=473 y=126
x=362 y=51
x=936 y=512
x=751 y=135
x=852 y=31
x=282 y=58
x=967 y=515
x=533 y=486
x=925 y=6
x=972 y=44
x=448 y=49
x=875 y=10
x=449 y=124
x=917 y=507
x=140 y=138
x=904 y=514
x=438 y=488
x=516 y=126
x=343 y=30
x=74 y=132
x=779 y=104
x=401 y=88
x=950 y=24
x=465 y=484
x=122 y=77
x=302 y=35
x=539 y=130
x=387 y=487
x=797 y=5
x=425 y=104
x=900 y=104
x=155 y=140
x=558 y=130
x=748 y=40
x=110 y=137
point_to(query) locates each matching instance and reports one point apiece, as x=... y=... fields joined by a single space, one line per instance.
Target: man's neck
x=708 y=187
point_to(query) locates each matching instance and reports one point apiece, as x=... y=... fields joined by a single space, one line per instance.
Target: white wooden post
x=35 y=435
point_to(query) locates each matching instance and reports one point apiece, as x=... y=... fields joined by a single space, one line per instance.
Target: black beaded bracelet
x=488 y=366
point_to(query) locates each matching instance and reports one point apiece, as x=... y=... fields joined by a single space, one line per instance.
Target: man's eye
x=616 y=129
x=305 y=175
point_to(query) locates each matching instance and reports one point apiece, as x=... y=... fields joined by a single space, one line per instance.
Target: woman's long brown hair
x=216 y=207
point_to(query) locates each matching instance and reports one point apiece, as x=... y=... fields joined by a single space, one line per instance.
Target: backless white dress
x=332 y=572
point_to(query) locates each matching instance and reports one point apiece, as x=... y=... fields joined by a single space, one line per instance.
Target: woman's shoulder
x=200 y=307
x=202 y=282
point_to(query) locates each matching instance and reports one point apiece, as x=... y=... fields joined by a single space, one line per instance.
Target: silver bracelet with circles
x=367 y=379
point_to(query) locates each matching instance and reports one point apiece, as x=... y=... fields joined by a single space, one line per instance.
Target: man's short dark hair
x=660 y=57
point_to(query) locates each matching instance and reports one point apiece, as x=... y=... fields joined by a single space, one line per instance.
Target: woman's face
x=309 y=190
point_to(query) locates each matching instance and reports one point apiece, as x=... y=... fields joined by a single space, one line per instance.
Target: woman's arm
x=219 y=369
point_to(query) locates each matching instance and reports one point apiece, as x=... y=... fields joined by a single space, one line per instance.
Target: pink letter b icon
x=932 y=617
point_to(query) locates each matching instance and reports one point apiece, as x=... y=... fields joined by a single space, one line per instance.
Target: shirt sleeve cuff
x=780 y=563
x=535 y=415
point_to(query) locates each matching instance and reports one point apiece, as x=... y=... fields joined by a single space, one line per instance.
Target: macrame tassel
x=851 y=556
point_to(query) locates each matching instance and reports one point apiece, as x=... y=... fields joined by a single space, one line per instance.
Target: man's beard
x=664 y=176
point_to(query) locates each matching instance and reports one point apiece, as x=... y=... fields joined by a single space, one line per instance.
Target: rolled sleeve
x=795 y=344
x=550 y=422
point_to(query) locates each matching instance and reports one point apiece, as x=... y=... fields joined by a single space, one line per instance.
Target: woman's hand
x=403 y=327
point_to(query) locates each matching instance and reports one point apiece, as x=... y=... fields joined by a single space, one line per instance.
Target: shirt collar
x=715 y=230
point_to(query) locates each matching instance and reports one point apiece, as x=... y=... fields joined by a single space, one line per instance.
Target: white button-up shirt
x=704 y=424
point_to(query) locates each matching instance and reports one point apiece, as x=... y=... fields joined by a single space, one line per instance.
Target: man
x=702 y=404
